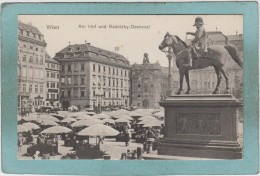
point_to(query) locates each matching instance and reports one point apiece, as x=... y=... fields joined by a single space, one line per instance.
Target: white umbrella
x=111 y=121
x=153 y=123
x=98 y=130
x=84 y=117
x=31 y=126
x=48 y=123
x=21 y=129
x=147 y=117
x=159 y=114
x=68 y=120
x=86 y=123
x=48 y=117
x=121 y=120
x=56 y=130
x=29 y=118
x=135 y=114
x=90 y=113
x=124 y=116
x=101 y=116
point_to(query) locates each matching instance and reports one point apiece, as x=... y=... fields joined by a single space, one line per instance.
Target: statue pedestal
x=202 y=126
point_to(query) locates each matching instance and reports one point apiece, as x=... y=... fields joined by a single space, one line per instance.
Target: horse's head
x=169 y=40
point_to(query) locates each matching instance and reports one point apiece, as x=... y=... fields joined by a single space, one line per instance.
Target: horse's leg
x=187 y=81
x=181 y=72
x=219 y=77
x=225 y=74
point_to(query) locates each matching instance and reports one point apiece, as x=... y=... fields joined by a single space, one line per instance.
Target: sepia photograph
x=130 y=87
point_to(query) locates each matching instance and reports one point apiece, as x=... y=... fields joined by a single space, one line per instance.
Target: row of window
x=106 y=103
x=37 y=88
x=82 y=93
x=30 y=34
x=110 y=81
x=53 y=96
x=108 y=94
x=32 y=60
x=53 y=66
x=52 y=75
x=52 y=85
x=69 y=82
x=111 y=70
x=32 y=72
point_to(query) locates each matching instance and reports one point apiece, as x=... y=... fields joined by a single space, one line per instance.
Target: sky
x=132 y=42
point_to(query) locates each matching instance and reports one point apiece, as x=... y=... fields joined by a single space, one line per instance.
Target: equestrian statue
x=195 y=54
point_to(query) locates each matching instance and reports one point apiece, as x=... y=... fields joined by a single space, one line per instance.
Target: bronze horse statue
x=216 y=57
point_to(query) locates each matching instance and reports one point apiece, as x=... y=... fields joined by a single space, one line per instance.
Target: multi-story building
x=93 y=77
x=52 y=69
x=148 y=84
x=204 y=81
x=31 y=68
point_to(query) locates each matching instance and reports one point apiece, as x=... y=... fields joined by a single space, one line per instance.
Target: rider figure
x=146 y=59
x=199 y=41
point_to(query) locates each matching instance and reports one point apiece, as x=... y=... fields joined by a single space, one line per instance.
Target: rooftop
x=29 y=28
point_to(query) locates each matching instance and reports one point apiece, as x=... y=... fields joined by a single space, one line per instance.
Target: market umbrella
x=47 y=117
x=159 y=114
x=101 y=116
x=84 y=117
x=153 y=123
x=48 y=123
x=147 y=117
x=108 y=121
x=56 y=130
x=31 y=126
x=76 y=114
x=86 y=123
x=135 y=114
x=98 y=130
x=121 y=120
x=144 y=121
x=21 y=129
x=30 y=118
x=58 y=116
x=73 y=108
x=90 y=113
x=124 y=116
x=19 y=118
x=68 y=120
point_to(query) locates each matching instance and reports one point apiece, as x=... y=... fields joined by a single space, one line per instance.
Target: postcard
x=129 y=87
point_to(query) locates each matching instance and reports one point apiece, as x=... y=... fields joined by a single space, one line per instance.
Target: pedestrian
x=150 y=137
x=36 y=156
x=20 y=141
x=127 y=138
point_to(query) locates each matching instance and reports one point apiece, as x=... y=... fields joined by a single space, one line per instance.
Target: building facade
x=148 y=84
x=52 y=69
x=93 y=77
x=31 y=68
x=204 y=81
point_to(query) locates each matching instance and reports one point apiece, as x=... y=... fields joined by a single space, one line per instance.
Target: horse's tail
x=232 y=50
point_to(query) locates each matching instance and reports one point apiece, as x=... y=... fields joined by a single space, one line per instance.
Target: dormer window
x=78 y=48
x=70 y=49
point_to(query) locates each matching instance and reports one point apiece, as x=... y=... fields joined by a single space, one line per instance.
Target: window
x=109 y=82
x=36 y=88
x=24 y=71
x=52 y=65
x=31 y=47
x=62 y=93
x=52 y=85
x=48 y=75
x=30 y=72
x=139 y=96
x=76 y=67
x=47 y=96
x=125 y=72
x=57 y=75
x=104 y=81
x=36 y=49
x=31 y=60
x=82 y=67
x=99 y=68
x=113 y=71
x=145 y=88
x=41 y=60
x=94 y=93
x=75 y=80
x=109 y=71
x=52 y=75
x=121 y=83
x=113 y=82
x=62 y=68
x=104 y=69
x=41 y=88
x=69 y=93
x=94 y=67
x=116 y=71
x=47 y=85
x=24 y=58
x=30 y=88
x=121 y=72
x=69 y=68
x=117 y=82
x=82 y=93
x=82 y=80
x=63 y=80
x=109 y=94
x=69 y=80
x=36 y=60
x=52 y=96
x=139 y=85
x=151 y=85
x=24 y=87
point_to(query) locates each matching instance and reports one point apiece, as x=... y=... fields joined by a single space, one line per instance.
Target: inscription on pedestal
x=198 y=124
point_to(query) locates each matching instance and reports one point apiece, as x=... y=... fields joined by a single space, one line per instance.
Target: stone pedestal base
x=201 y=126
